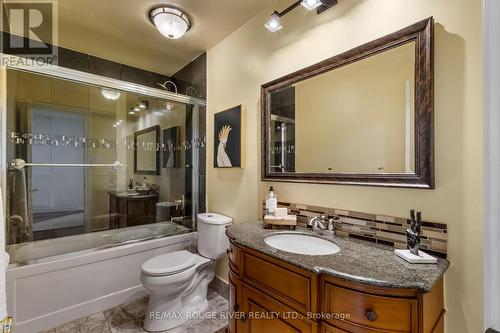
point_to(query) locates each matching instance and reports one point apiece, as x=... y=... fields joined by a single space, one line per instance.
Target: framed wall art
x=229 y=138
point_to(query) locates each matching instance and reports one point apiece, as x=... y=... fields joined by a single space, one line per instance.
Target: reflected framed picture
x=229 y=138
x=171 y=139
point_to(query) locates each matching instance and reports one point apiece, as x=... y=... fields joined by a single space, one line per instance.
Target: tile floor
x=128 y=318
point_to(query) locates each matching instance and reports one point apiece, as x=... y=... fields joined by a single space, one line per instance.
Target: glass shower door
x=55 y=211
x=96 y=167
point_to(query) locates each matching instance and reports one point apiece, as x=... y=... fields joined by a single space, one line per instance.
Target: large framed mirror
x=364 y=117
x=147 y=153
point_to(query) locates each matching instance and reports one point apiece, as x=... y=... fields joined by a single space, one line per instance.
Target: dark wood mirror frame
x=422 y=34
x=157 y=131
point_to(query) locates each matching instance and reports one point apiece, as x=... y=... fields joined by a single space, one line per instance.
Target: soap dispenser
x=271 y=202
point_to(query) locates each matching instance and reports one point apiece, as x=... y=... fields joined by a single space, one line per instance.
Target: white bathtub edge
x=37 y=294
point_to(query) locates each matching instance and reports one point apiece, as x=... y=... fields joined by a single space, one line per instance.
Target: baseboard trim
x=220 y=286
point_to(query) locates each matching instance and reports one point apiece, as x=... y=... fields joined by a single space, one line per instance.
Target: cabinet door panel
x=266 y=315
x=234 y=302
x=294 y=289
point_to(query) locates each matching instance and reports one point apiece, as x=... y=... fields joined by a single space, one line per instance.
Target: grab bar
x=19 y=164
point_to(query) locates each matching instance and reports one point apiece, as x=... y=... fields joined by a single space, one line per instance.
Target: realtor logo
x=30 y=31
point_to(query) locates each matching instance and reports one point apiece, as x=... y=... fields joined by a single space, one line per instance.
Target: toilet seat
x=169 y=264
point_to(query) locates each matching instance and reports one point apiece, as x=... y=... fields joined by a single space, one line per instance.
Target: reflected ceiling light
x=137 y=109
x=143 y=105
x=311 y=4
x=274 y=24
x=131 y=113
x=170 y=21
x=110 y=94
x=170 y=106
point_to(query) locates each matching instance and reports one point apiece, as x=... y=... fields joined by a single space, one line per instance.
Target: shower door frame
x=16 y=63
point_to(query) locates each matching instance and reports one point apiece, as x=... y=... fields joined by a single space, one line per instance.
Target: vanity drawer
x=389 y=314
x=292 y=286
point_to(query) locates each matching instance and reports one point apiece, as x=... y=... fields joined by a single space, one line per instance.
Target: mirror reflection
x=358 y=118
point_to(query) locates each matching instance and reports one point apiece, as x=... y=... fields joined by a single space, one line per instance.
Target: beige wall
x=252 y=56
x=353 y=119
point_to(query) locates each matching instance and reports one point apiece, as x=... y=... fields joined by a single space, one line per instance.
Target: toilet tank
x=212 y=239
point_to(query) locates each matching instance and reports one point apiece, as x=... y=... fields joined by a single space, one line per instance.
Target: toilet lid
x=169 y=263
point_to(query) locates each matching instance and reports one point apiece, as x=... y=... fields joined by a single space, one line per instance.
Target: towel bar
x=19 y=164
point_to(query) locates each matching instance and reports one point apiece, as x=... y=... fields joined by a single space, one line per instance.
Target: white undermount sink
x=302 y=244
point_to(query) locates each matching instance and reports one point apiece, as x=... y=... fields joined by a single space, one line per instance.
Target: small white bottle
x=271 y=202
x=144 y=185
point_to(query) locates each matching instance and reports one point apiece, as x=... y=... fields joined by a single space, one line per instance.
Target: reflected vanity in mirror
x=147 y=154
x=364 y=117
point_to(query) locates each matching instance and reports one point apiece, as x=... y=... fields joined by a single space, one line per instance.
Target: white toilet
x=178 y=281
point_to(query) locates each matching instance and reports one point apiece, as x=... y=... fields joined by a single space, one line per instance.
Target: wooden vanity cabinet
x=131 y=211
x=269 y=295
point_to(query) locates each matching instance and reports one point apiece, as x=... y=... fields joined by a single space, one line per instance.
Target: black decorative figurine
x=413 y=234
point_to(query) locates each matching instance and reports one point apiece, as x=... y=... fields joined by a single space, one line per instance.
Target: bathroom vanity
x=132 y=210
x=362 y=288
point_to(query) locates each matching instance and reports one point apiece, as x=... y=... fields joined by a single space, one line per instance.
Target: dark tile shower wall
x=90 y=64
x=195 y=75
x=380 y=229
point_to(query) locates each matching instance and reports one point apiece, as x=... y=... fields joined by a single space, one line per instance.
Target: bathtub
x=59 y=280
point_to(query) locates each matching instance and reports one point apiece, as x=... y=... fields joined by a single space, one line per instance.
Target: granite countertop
x=358 y=261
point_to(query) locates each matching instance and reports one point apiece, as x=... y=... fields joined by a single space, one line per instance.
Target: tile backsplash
x=382 y=229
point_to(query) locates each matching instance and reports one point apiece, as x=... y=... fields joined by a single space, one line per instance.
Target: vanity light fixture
x=274 y=22
x=171 y=22
x=110 y=94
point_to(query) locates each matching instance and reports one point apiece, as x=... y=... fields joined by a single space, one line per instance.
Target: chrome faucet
x=322 y=223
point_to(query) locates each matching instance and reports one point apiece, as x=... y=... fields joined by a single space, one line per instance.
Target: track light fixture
x=274 y=22
x=311 y=4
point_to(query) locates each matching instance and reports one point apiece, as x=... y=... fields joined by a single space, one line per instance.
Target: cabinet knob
x=371 y=315
x=229 y=251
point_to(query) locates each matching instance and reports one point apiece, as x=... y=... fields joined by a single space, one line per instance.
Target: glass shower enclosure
x=90 y=162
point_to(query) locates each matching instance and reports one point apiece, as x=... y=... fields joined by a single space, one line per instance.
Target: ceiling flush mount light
x=170 y=21
x=311 y=4
x=110 y=94
x=274 y=24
